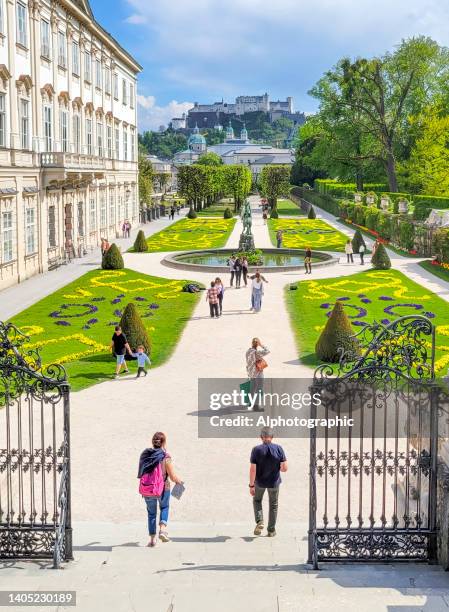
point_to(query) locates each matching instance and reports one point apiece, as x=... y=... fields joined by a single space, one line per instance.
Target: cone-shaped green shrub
x=337 y=334
x=357 y=241
x=134 y=329
x=311 y=214
x=380 y=259
x=192 y=214
x=112 y=259
x=140 y=243
x=227 y=214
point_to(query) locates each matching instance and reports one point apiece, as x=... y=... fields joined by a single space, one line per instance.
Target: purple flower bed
x=430 y=315
x=325 y=305
x=140 y=299
x=113 y=323
x=389 y=309
x=366 y=300
x=116 y=300
x=64 y=323
x=385 y=321
x=92 y=321
x=342 y=299
x=86 y=326
x=359 y=323
x=90 y=309
x=118 y=313
x=386 y=298
x=154 y=306
x=98 y=299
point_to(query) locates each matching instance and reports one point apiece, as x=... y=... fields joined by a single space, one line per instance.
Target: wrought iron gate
x=373 y=486
x=34 y=453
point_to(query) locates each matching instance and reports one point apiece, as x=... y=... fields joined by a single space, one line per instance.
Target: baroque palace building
x=68 y=135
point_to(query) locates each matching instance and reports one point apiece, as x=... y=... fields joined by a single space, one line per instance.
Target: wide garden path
x=213 y=563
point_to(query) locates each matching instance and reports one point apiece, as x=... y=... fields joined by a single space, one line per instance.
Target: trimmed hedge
x=112 y=259
x=134 y=329
x=311 y=214
x=380 y=259
x=140 y=243
x=337 y=337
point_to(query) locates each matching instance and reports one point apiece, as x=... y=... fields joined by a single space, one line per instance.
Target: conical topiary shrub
x=227 y=214
x=192 y=213
x=140 y=243
x=134 y=329
x=311 y=214
x=380 y=259
x=112 y=259
x=357 y=241
x=337 y=336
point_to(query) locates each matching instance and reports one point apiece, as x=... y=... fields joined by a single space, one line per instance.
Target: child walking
x=142 y=359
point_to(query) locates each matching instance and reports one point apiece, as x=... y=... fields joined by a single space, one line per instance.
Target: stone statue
x=246 y=242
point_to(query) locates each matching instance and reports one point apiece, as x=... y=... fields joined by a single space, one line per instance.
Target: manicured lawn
x=436 y=270
x=190 y=234
x=300 y=233
x=75 y=324
x=289 y=208
x=367 y=296
x=216 y=210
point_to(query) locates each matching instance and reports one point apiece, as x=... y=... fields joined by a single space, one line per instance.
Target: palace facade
x=68 y=135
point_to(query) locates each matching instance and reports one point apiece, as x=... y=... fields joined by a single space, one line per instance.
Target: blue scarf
x=149 y=460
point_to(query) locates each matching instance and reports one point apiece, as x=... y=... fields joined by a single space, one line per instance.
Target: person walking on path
x=220 y=292
x=265 y=217
x=231 y=262
x=172 y=213
x=124 y=229
x=142 y=359
x=362 y=253
x=253 y=276
x=120 y=346
x=308 y=260
x=349 y=251
x=255 y=366
x=256 y=292
x=245 y=271
x=155 y=472
x=212 y=298
x=238 y=272
x=267 y=461
x=279 y=235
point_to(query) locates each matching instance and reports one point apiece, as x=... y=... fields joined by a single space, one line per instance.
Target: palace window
x=64 y=129
x=87 y=67
x=7 y=237
x=107 y=81
x=103 y=212
x=117 y=143
x=111 y=209
x=30 y=231
x=62 y=49
x=92 y=215
x=98 y=74
x=115 y=85
x=75 y=58
x=131 y=95
x=81 y=219
x=2 y=120
x=125 y=144
x=109 y=140
x=2 y=19
x=22 y=21
x=89 y=136
x=24 y=124
x=45 y=39
x=133 y=145
x=48 y=128
x=77 y=132
x=124 y=92
x=100 y=139
x=52 y=226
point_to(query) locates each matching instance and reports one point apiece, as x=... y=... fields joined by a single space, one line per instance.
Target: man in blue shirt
x=267 y=461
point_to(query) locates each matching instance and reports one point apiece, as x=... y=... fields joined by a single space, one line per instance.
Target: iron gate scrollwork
x=35 y=519
x=373 y=485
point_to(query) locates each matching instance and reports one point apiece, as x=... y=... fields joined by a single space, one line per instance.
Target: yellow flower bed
x=189 y=234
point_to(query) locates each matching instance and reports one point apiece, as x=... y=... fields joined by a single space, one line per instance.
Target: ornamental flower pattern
x=380 y=295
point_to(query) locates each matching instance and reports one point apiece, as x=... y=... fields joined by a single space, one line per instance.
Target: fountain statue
x=246 y=242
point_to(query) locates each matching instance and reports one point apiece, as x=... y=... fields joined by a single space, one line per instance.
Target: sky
x=206 y=50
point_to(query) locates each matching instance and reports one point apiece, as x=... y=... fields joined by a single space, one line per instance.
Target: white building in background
x=68 y=135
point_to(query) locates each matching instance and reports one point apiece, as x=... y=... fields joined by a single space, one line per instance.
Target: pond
x=269 y=260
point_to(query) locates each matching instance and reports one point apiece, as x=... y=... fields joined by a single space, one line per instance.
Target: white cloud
x=136 y=19
x=151 y=116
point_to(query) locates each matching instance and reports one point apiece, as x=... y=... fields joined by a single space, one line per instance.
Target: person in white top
x=231 y=262
x=256 y=293
x=349 y=251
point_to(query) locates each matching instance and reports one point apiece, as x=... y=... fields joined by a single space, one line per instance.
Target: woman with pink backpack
x=155 y=472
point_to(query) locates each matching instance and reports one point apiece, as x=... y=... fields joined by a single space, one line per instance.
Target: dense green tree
x=209 y=159
x=337 y=338
x=112 y=259
x=163 y=144
x=237 y=181
x=146 y=178
x=134 y=329
x=374 y=99
x=274 y=182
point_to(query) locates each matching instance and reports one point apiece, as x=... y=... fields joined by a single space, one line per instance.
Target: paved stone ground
x=214 y=562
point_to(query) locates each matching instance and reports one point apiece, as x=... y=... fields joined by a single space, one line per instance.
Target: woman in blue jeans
x=159 y=442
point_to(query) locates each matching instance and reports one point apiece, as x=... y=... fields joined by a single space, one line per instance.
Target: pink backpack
x=152 y=484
